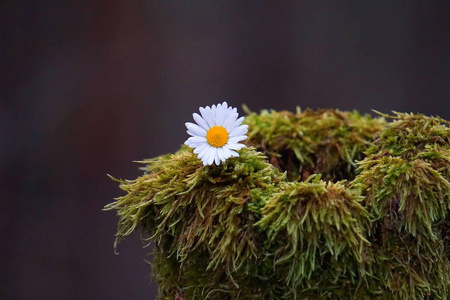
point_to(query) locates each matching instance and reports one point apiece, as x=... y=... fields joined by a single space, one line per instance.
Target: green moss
x=405 y=181
x=316 y=237
x=245 y=230
x=192 y=210
x=326 y=142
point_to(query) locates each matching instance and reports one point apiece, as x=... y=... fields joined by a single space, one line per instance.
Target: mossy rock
x=321 y=205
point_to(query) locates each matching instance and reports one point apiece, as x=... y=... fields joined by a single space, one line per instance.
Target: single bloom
x=217 y=133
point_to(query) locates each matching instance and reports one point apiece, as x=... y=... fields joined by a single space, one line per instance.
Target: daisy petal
x=221 y=114
x=207 y=116
x=236 y=124
x=237 y=139
x=241 y=130
x=234 y=153
x=205 y=152
x=230 y=120
x=202 y=155
x=220 y=154
x=211 y=156
x=200 y=121
x=195 y=145
x=213 y=114
x=226 y=152
x=235 y=146
x=195 y=130
x=216 y=157
x=205 y=157
x=195 y=139
x=200 y=148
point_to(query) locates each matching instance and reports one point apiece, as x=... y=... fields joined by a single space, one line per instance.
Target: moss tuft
x=326 y=142
x=316 y=237
x=406 y=183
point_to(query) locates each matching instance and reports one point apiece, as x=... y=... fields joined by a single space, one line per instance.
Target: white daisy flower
x=217 y=133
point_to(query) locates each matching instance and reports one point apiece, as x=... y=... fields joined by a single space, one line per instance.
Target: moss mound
x=279 y=221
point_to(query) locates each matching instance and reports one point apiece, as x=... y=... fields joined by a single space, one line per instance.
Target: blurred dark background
x=89 y=86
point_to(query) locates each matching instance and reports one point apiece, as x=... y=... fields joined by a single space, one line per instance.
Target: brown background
x=89 y=86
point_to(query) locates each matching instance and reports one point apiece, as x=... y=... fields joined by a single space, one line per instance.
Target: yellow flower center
x=217 y=136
